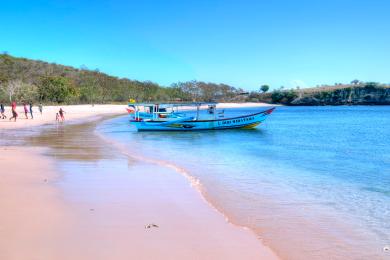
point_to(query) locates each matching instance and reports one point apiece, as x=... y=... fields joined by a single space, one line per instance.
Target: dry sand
x=39 y=221
x=72 y=113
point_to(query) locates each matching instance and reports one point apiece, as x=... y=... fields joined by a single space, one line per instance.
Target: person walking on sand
x=14 y=113
x=2 y=111
x=31 y=111
x=61 y=112
x=40 y=107
x=25 y=110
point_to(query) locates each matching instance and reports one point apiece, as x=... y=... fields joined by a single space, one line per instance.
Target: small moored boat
x=163 y=117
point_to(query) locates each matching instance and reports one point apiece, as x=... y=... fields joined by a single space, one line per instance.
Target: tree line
x=26 y=80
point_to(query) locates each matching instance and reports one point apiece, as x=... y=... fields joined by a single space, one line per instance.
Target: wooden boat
x=155 y=120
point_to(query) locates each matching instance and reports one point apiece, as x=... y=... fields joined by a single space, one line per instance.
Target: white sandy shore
x=72 y=113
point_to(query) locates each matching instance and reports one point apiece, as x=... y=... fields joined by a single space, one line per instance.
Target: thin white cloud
x=298 y=83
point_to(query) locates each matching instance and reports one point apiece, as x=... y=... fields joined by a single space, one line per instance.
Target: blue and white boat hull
x=190 y=124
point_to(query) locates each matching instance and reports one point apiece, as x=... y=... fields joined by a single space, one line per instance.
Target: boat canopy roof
x=172 y=104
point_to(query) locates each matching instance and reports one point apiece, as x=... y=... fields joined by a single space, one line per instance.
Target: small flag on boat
x=130 y=109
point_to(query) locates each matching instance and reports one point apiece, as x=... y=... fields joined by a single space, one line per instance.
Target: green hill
x=38 y=81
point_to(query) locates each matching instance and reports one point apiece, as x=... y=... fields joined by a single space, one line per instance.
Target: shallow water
x=313 y=182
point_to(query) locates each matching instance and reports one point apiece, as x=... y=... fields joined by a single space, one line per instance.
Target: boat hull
x=245 y=122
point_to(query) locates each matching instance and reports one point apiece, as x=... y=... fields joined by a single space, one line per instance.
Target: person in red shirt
x=14 y=114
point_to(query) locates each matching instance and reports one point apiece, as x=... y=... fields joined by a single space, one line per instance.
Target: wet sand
x=80 y=198
x=33 y=216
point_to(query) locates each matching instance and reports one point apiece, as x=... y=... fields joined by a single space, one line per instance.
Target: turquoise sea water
x=312 y=182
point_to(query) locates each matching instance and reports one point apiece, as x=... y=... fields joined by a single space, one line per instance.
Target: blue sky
x=242 y=43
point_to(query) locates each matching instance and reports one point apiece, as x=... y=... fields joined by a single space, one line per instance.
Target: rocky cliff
x=369 y=93
x=359 y=95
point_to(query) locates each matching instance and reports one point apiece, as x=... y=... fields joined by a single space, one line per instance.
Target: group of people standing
x=28 y=109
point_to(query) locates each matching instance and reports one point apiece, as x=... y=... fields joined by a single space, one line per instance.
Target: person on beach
x=14 y=114
x=25 y=110
x=61 y=112
x=31 y=111
x=40 y=107
x=2 y=111
x=57 y=117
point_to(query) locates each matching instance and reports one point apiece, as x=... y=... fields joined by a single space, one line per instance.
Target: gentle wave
x=307 y=181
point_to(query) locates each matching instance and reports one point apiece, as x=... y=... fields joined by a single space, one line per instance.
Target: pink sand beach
x=137 y=212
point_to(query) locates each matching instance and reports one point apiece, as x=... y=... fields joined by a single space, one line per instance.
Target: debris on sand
x=151 y=226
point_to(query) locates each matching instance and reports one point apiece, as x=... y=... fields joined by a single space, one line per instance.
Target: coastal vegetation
x=26 y=80
x=355 y=93
x=37 y=81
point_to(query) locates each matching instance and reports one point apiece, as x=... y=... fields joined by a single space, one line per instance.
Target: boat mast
x=197 y=111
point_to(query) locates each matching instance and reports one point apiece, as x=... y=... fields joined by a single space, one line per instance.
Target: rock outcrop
x=361 y=95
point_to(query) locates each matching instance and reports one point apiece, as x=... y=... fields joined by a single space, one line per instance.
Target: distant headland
x=355 y=93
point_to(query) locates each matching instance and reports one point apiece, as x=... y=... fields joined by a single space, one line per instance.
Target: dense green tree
x=264 y=88
x=56 y=89
x=371 y=85
x=277 y=96
x=283 y=96
x=355 y=81
x=88 y=85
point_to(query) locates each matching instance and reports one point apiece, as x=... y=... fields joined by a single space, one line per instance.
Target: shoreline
x=253 y=248
x=196 y=185
x=78 y=113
